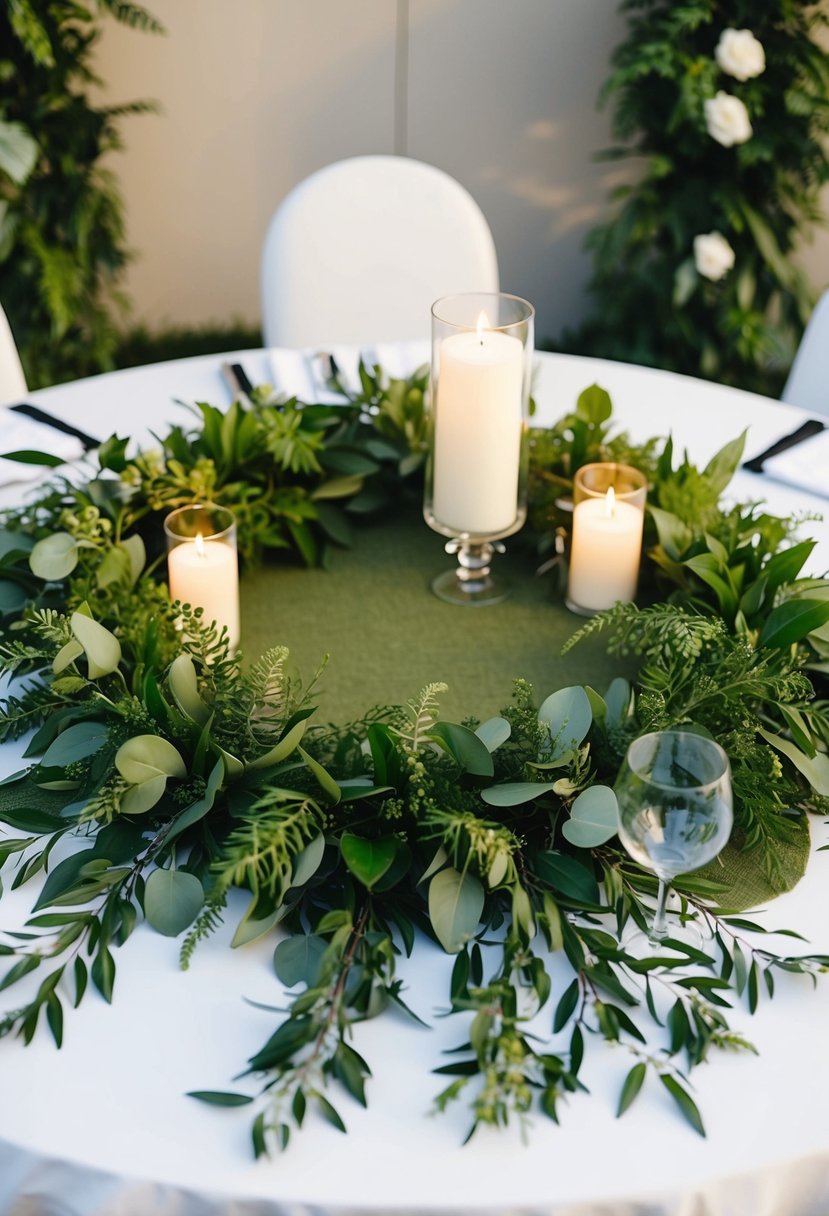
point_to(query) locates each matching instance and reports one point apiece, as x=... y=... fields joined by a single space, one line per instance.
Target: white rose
x=740 y=54
x=727 y=120
x=713 y=255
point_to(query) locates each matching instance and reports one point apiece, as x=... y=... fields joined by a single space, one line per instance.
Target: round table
x=102 y=1125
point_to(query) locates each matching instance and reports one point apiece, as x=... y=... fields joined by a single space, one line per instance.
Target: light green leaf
x=18 y=151
x=568 y=715
x=493 y=733
x=722 y=467
x=139 y=799
x=114 y=568
x=54 y=557
x=185 y=689
x=102 y=648
x=66 y=656
x=594 y=818
x=515 y=793
x=815 y=770
x=455 y=905
x=144 y=757
x=172 y=900
x=284 y=747
x=322 y=776
x=136 y=552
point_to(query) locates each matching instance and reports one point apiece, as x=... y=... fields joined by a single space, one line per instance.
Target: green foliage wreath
x=165 y=772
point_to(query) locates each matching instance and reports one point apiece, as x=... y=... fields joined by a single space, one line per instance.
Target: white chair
x=12 y=379
x=808 y=382
x=359 y=251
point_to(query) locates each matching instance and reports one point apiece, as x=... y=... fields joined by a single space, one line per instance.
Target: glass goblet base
x=472 y=582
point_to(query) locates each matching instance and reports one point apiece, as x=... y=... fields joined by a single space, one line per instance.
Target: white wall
x=256 y=94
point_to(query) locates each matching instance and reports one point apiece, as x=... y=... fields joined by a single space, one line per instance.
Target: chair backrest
x=359 y=251
x=808 y=382
x=12 y=380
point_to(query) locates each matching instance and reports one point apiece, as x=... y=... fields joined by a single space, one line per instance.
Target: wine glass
x=675 y=807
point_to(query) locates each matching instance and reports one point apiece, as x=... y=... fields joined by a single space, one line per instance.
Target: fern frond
x=259 y=853
x=422 y=714
x=206 y=922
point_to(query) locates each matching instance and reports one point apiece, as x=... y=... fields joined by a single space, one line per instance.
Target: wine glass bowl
x=675 y=807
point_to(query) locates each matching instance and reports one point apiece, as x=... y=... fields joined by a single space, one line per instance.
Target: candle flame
x=610 y=503
x=483 y=323
x=200 y=544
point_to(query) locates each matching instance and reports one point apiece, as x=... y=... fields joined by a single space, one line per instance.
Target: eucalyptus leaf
x=184 y=686
x=139 y=799
x=172 y=900
x=493 y=733
x=568 y=716
x=308 y=861
x=75 y=743
x=144 y=757
x=55 y=557
x=456 y=902
x=594 y=818
x=515 y=793
x=102 y=648
x=297 y=959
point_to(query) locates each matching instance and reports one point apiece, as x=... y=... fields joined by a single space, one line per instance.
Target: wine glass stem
x=659 y=928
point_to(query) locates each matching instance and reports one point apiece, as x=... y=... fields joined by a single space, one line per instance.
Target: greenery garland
x=178 y=773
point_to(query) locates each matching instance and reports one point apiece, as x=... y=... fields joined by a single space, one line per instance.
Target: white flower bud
x=727 y=120
x=740 y=54
x=713 y=255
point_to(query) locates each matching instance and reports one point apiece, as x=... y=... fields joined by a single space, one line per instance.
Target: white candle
x=205 y=574
x=478 y=425
x=605 y=552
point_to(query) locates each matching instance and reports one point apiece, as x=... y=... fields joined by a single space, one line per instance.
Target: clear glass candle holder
x=476 y=474
x=202 y=563
x=606 y=539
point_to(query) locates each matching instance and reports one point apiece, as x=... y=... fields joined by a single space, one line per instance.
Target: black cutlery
x=57 y=424
x=237 y=380
x=806 y=431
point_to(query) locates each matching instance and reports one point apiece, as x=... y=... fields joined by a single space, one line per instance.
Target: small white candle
x=205 y=574
x=478 y=426
x=605 y=552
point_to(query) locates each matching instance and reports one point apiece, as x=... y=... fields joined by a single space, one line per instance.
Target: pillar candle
x=478 y=427
x=205 y=574
x=605 y=552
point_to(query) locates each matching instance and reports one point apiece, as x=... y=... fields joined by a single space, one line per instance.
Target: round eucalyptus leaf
x=147 y=756
x=297 y=959
x=139 y=799
x=494 y=732
x=568 y=715
x=185 y=689
x=102 y=648
x=594 y=818
x=172 y=900
x=455 y=905
x=54 y=557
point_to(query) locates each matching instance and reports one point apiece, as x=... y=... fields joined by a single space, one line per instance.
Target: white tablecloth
x=102 y=1126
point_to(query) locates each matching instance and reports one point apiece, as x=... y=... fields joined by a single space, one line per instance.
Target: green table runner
x=373 y=612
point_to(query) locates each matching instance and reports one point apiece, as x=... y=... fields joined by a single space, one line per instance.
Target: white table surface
x=102 y=1126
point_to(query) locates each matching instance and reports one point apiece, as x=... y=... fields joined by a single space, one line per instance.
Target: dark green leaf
x=217 y=1097
x=633 y=1083
x=684 y=1101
